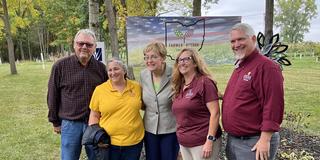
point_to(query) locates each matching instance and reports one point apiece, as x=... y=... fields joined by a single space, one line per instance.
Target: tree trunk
x=94 y=18
x=196 y=8
x=40 y=36
x=123 y=3
x=47 y=44
x=29 y=49
x=268 y=29
x=112 y=28
x=5 y=17
x=21 y=50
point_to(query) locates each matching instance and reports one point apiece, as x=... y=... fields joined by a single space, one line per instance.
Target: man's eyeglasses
x=183 y=60
x=152 y=57
x=81 y=44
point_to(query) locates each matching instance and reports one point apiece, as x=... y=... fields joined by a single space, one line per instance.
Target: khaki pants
x=195 y=153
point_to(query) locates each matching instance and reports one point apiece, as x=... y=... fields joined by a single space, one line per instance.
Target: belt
x=245 y=137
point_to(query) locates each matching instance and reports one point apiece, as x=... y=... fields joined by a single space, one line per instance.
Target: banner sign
x=100 y=52
x=208 y=35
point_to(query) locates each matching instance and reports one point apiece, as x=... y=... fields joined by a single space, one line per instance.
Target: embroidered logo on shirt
x=189 y=94
x=132 y=94
x=247 y=77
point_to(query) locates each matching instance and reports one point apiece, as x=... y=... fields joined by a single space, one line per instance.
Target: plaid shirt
x=70 y=88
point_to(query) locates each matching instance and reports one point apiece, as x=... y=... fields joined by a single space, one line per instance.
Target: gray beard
x=239 y=56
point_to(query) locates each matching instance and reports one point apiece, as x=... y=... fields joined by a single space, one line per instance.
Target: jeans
x=161 y=147
x=240 y=149
x=125 y=152
x=71 y=135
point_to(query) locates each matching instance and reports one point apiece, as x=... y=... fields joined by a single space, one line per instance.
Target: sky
x=252 y=12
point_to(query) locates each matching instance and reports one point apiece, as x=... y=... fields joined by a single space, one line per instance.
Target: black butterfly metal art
x=275 y=50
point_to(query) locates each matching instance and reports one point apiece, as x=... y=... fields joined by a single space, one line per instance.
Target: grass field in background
x=26 y=134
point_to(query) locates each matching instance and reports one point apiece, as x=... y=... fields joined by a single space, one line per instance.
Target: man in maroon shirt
x=253 y=102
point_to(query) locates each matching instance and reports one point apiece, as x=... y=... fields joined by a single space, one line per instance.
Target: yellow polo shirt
x=120 y=115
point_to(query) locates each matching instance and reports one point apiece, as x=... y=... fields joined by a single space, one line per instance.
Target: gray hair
x=121 y=64
x=246 y=28
x=87 y=32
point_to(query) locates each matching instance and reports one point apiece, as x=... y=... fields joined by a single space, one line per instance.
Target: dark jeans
x=99 y=153
x=125 y=152
x=161 y=147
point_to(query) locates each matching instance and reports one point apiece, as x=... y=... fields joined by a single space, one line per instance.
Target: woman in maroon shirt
x=196 y=107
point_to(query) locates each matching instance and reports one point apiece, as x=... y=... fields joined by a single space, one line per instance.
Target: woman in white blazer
x=160 y=138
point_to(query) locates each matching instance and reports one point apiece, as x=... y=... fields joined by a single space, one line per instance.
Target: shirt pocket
x=244 y=90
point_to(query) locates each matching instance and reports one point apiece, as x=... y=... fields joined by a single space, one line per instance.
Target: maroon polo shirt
x=254 y=99
x=192 y=114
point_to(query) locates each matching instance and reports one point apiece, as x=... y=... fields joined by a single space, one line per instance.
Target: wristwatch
x=211 y=138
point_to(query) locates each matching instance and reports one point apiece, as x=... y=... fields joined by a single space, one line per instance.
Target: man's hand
x=262 y=147
x=57 y=129
x=207 y=149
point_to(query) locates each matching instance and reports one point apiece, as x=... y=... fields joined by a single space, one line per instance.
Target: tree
x=5 y=18
x=94 y=17
x=268 y=26
x=196 y=8
x=184 y=7
x=112 y=28
x=63 y=19
x=293 y=17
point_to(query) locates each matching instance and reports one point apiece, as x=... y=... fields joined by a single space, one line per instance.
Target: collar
x=76 y=60
x=129 y=86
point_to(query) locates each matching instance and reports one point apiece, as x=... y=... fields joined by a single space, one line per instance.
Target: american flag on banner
x=178 y=32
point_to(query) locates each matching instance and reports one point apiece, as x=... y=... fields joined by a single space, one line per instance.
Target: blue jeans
x=125 y=152
x=71 y=136
x=240 y=149
x=161 y=146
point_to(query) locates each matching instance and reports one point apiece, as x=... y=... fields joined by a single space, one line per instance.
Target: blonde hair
x=157 y=47
x=202 y=69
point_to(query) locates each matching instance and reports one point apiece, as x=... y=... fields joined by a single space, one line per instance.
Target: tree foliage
x=64 y=19
x=293 y=17
x=182 y=7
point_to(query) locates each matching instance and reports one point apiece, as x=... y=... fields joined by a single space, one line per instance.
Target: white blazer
x=158 y=117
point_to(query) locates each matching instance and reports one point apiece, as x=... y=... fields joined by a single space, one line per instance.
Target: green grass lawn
x=26 y=134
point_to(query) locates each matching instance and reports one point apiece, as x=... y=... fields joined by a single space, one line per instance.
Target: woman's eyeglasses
x=183 y=60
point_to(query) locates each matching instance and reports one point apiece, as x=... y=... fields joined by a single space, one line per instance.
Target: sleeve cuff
x=56 y=124
x=270 y=126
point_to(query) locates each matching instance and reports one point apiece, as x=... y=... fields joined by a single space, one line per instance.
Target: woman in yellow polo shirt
x=115 y=105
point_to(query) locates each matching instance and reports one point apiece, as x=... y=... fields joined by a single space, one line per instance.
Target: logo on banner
x=98 y=54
